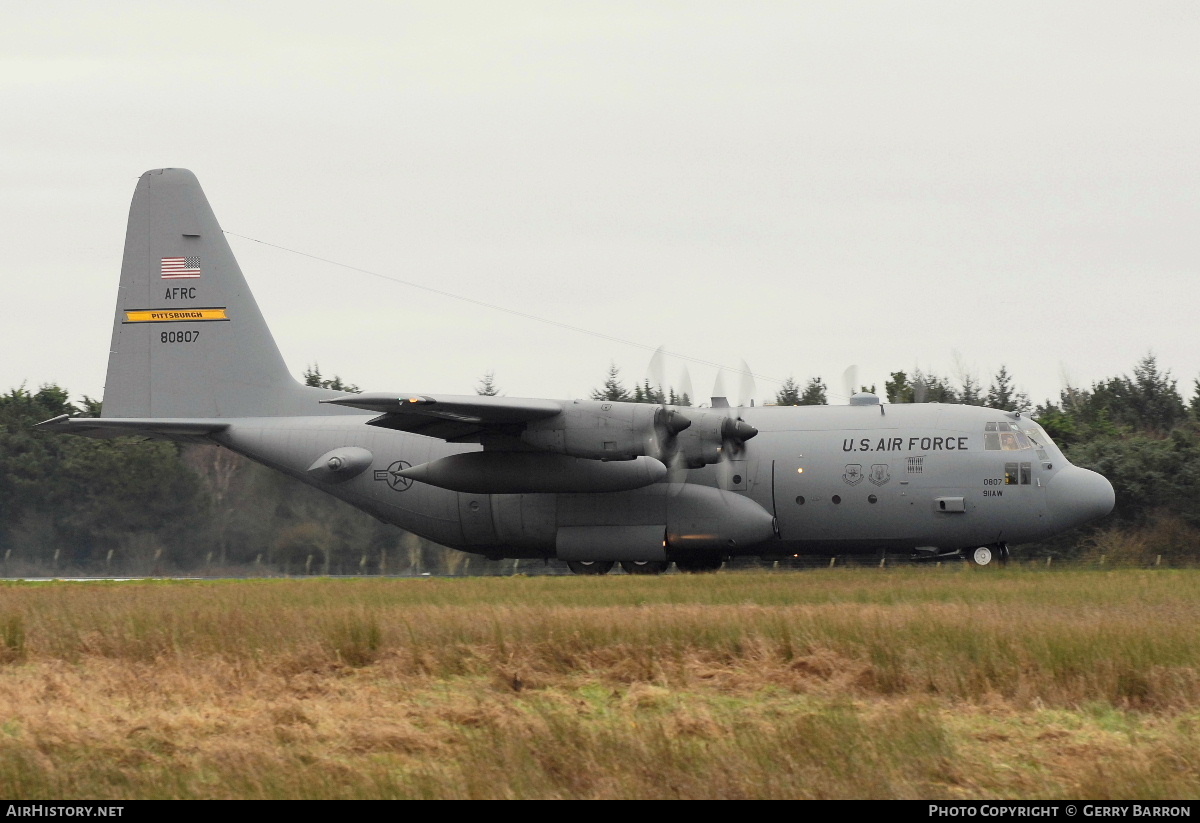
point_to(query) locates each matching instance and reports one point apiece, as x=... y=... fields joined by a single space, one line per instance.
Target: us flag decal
x=180 y=268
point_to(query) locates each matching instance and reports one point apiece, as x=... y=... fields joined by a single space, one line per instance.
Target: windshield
x=1019 y=435
x=1004 y=436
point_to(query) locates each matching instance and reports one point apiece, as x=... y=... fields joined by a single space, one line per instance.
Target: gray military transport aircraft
x=589 y=482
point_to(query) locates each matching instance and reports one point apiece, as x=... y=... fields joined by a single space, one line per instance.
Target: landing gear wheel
x=982 y=556
x=699 y=565
x=644 y=566
x=590 y=566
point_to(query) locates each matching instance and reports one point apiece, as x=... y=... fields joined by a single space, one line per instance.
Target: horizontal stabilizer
x=162 y=428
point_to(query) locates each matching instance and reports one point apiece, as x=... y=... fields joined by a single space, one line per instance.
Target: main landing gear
x=590 y=566
x=699 y=565
x=986 y=556
x=695 y=565
x=645 y=566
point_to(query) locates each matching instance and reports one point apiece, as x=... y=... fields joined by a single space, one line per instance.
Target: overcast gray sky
x=944 y=185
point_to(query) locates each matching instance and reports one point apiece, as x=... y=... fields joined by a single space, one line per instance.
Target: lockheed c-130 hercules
x=590 y=482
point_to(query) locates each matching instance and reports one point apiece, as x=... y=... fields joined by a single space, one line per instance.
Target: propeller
x=655 y=371
x=732 y=432
x=668 y=421
x=685 y=386
x=698 y=437
x=720 y=398
x=850 y=381
x=746 y=387
x=920 y=387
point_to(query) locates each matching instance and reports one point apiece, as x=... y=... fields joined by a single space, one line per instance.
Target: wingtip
x=45 y=424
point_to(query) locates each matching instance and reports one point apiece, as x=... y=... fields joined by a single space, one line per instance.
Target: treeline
x=78 y=505
x=132 y=506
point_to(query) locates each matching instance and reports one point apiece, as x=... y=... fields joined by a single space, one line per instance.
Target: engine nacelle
x=701 y=444
x=603 y=430
x=598 y=429
x=709 y=435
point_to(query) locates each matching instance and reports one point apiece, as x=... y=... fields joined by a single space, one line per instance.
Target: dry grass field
x=903 y=683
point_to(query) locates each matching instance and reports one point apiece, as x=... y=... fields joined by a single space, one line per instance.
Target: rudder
x=188 y=337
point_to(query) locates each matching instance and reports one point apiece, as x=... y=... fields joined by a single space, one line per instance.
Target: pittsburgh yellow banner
x=174 y=315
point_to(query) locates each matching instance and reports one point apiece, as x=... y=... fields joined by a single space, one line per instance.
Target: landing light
x=799 y=471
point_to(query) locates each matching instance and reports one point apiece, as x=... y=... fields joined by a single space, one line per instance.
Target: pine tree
x=814 y=394
x=788 y=394
x=898 y=389
x=1002 y=395
x=487 y=385
x=1155 y=400
x=613 y=389
x=645 y=393
x=313 y=377
x=678 y=399
x=938 y=390
x=971 y=393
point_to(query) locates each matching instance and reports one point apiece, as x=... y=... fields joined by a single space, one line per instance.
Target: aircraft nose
x=1077 y=496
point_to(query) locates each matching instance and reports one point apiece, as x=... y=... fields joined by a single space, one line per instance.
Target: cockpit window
x=1018 y=474
x=1001 y=436
x=1039 y=439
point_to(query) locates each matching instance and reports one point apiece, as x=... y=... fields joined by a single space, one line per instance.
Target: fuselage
x=828 y=479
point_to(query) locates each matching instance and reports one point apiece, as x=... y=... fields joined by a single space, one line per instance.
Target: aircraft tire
x=982 y=556
x=699 y=565
x=645 y=566
x=590 y=566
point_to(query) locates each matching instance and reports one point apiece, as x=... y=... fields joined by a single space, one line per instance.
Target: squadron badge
x=853 y=475
x=880 y=474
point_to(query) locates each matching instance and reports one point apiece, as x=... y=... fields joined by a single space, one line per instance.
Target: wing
x=454 y=418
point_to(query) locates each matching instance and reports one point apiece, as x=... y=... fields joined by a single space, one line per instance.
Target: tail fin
x=188 y=339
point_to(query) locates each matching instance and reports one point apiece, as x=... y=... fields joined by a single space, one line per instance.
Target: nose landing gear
x=986 y=556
